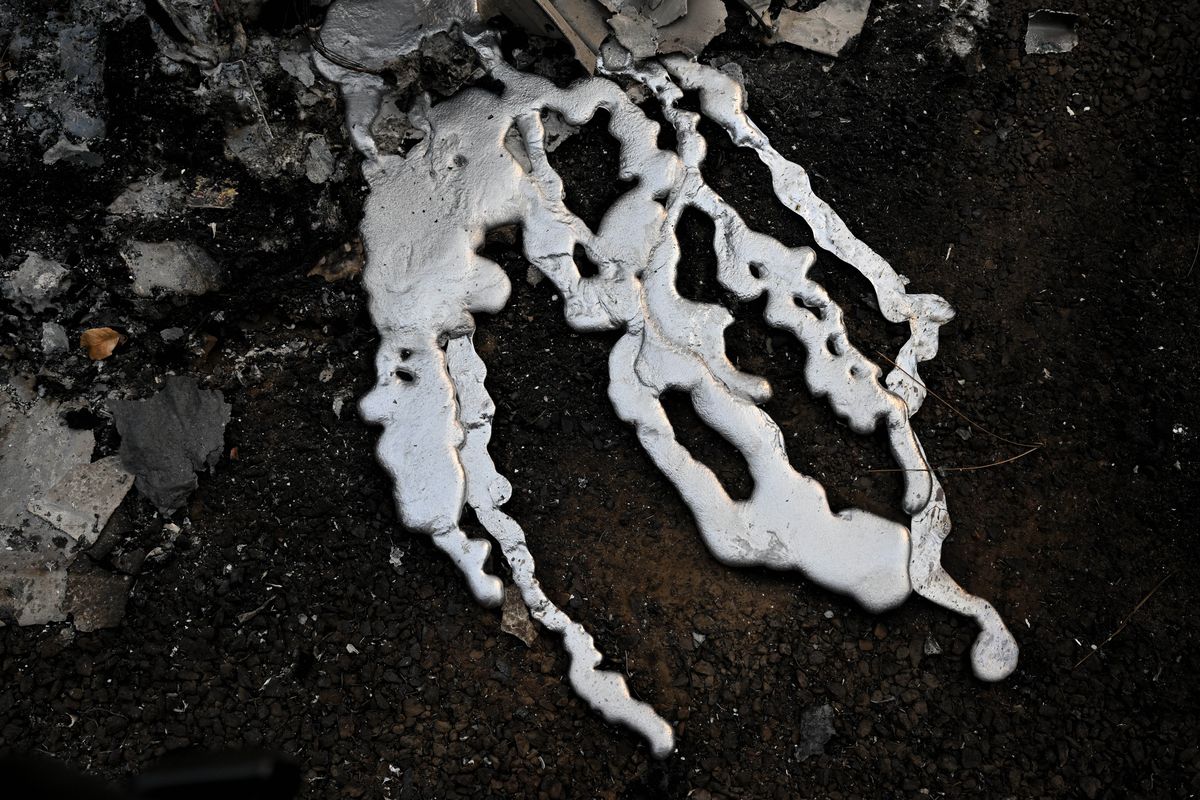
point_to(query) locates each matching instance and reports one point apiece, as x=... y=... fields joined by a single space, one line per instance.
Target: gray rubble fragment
x=54 y=339
x=79 y=106
x=704 y=21
x=81 y=502
x=299 y=66
x=816 y=729
x=154 y=197
x=961 y=31
x=190 y=33
x=319 y=164
x=636 y=33
x=172 y=267
x=166 y=439
x=372 y=35
x=660 y=12
x=1050 y=32
x=70 y=153
x=826 y=29
x=36 y=283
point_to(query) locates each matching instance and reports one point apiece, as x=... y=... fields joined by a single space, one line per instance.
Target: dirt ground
x=1052 y=200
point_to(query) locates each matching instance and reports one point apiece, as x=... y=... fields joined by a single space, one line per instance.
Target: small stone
x=172 y=267
x=319 y=164
x=514 y=617
x=54 y=339
x=37 y=282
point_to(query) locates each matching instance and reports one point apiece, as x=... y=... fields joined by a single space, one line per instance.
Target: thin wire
x=972 y=468
x=949 y=405
x=318 y=44
x=1125 y=621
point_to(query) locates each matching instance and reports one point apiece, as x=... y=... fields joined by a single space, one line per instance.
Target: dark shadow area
x=866 y=327
x=818 y=443
x=589 y=164
x=707 y=446
x=587 y=268
x=742 y=180
x=696 y=274
x=666 y=139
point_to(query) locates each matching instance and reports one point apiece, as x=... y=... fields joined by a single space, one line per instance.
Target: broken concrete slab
x=166 y=439
x=37 y=282
x=826 y=29
x=81 y=502
x=37 y=450
x=32 y=596
x=1050 y=32
x=704 y=21
x=299 y=66
x=96 y=599
x=636 y=33
x=173 y=267
x=660 y=12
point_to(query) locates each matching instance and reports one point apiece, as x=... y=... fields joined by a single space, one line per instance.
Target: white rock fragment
x=40 y=456
x=825 y=29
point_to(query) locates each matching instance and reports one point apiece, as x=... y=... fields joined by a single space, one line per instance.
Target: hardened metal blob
x=482 y=165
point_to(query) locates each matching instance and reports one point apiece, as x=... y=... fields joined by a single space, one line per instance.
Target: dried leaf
x=344 y=262
x=206 y=194
x=100 y=342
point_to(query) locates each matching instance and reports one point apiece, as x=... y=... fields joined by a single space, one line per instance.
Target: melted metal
x=483 y=164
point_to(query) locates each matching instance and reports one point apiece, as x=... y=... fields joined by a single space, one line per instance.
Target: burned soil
x=1051 y=199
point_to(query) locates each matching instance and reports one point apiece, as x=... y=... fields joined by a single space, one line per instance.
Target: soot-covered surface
x=1050 y=199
